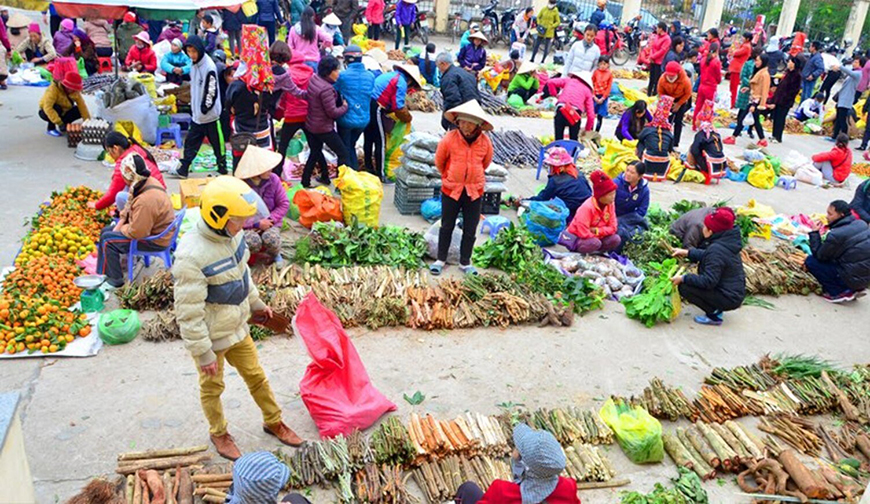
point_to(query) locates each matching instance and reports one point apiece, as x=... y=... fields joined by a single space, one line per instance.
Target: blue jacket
x=269 y=11
x=390 y=90
x=471 y=57
x=628 y=201
x=433 y=77
x=572 y=191
x=233 y=21
x=353 y=84
x=171 y=61
x=597 y=17
x=210 y=40
x=406 y=13
x=815 y=67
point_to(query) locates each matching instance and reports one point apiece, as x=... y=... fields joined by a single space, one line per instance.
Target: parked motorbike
x=507 y=24
x=611 y=43
x=489 y=24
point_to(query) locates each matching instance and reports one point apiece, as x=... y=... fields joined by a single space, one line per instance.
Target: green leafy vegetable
x=803 y=366
x=687 y=490
x=654 y=304
x=415 y=399
x=333 y=245
x=761 y=303
x=510 y=251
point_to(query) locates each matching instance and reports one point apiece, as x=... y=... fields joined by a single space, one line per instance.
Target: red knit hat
x=73 y=81
x=722 y=219
x=601 y=184
x=672 y=68
x=130 y=17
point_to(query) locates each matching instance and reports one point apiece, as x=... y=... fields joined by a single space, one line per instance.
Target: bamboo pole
x=210 y=478
x=154 y=454
x=163 y=463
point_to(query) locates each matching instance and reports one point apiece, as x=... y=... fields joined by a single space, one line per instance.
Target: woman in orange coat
x=462 y=156
x=594 y=227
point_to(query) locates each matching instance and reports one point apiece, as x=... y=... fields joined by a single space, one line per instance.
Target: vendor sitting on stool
x=707 y=145
x=255 y=168
x=656 y=141
x=63 y=104
x=840 y=262
x=141 y=57
x=564 y=182
x=148 y=212
x=720 y=284
x=632 y=201
x=176 y=64
x=594 y=227
x=525 y=83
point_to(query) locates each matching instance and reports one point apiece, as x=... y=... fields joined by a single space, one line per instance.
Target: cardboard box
x=191 y=190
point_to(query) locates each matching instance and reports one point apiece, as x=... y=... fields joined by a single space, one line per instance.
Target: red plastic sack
x=335 y=388
x=60 y=67
x=317 y=207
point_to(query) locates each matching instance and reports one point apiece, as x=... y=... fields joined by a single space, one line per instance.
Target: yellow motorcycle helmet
x=227 y=197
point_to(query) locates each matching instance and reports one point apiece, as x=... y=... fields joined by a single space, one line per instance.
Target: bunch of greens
x=655 y=304
x=510 y=251
x=803 y=366
x=543 y=278
x=687 y=490
x=747 y=227
x=356 y=243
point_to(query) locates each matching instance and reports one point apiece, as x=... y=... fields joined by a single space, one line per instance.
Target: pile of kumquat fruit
x=37 y=294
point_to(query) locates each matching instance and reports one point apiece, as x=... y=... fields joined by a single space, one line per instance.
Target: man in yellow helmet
x=214 y=298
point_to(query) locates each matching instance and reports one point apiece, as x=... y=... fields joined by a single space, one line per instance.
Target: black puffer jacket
x=848 y=245
x=720 y=267
x=457 y=87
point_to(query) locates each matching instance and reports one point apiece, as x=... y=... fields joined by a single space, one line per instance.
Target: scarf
x=705 y=117
x=662 y=113
x=568 y=169
x=258 y=74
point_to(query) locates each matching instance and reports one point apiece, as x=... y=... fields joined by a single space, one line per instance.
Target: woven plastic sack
x=637 y=432
x=546 y=220
x=431 y=209
x=315 y=206
x=419 y=154
x=336 y=388
x=119 y=326
x=617 y=155
x=762 y=175
x=361 y=196
x=146 y=80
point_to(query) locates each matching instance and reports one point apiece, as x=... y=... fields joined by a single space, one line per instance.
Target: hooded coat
x=124 y=37
x=847 y=245
x=205 y=104
x=354 y=85
x=720 y=267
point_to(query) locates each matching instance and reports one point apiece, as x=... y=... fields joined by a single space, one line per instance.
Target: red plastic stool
x=105 y=64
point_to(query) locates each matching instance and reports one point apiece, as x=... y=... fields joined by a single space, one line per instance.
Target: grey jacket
x=846 y=98
x=205 y=103
x=689 y=226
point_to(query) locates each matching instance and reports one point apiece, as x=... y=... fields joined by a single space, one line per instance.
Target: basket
x=408 y=199
x=491 y=203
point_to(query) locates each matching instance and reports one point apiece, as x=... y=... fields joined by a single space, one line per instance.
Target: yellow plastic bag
x=677 y=168
x=762 y=175
x=361 y=196
x=634 y=95
x=147 y=80
x=130 y=130
x=638 y=433
x=170 y=101
x=756 y=209
x=617 y=155
x=249 y=7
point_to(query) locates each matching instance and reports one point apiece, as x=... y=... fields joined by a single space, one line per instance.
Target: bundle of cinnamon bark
x=164 y=476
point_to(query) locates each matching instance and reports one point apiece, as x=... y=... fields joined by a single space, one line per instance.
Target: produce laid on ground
x=513 y=148
x=861 y=169
x=617 y=279
x=659 y=300
x=355 y=243
x=150 y=293
x=687 y=490
x=778 y=272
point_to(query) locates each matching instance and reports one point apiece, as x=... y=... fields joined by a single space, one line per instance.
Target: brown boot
x=226 y=446
x=283 y=433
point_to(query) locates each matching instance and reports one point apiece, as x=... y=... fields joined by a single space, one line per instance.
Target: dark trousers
x=450 y=209
x=374 y=141
x=67 y=117
x=866 y=137
x=841 y=123
x=677 y=120
x=346 y=28
x=468 y=493
x=756 y=115
x=235 y=40
x=193 y=141
x=538 y=41
x=559 y=125
x=176 y=78
x=375 y=31
x=827 y=274
x=112 y=244
x=316 y=142
x=104 y=52
x=288 y=131
x=655 y=73
x=710 y=301
x=270 y=29
x=349 y=137
x=403 y=30
x=780 y=113
x=807 y=88
x=525 y=94
x=830 y=79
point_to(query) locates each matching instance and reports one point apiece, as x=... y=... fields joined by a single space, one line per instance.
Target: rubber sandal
x=469 y=270
x=436 y=269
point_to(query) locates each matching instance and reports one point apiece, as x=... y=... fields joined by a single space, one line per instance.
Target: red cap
x=673 y=68
x=601 y=184
x=130 y=17
x=73 y=81
x=722 y=219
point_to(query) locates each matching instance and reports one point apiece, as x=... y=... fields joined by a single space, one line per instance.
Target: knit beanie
x=672 y=68
x=722 y=219
x=601 y=184
x=34 y=28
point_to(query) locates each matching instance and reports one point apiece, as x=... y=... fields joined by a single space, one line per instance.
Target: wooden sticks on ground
x=706 y=448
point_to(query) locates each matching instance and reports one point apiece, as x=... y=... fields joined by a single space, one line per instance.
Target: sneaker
x=711 y=320
x=861 y=148
x=174 y=172
x=762 y=143
x=226 y=446
x=54 y=133
x=843 y=297
x=283 y=433
x=729 y=141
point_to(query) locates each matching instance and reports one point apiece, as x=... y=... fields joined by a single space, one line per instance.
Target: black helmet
x=219 y=55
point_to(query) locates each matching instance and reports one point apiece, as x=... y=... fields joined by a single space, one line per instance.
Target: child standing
x=209 y=33
x=375 y=17
x=602 y=81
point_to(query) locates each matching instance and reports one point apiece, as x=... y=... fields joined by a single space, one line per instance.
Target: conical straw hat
x=527 y=67
x=411 y=71
x=470 y=108
x=256 y=161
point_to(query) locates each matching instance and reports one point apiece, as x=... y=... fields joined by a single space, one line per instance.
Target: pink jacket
x=592 y=221
x=660 y=46
x=375 y=12
x=295 y=109
x=577 y=94
x=308 y=50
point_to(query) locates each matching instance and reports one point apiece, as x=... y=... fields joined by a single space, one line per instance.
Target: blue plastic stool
x=494 y=224
x=787 y=182
x=165 y=254
x=183 y=120
x=174 y=132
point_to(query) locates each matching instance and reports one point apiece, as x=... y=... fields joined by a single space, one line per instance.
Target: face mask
x=5 y=17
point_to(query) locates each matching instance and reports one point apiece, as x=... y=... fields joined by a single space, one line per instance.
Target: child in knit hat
x=594 y=227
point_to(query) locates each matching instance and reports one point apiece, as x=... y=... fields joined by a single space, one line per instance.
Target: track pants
x=450 y=209
x=375 y=140
x=193 y=141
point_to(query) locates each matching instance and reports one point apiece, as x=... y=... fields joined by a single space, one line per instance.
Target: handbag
x=542 y=30
x=239 y=141
x=570 y=114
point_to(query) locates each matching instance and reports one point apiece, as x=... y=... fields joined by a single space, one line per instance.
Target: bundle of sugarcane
x=132 y=462
x=796 y=431
x=777 y=399
x=419 y=101
x=742 y=377
x=440 y=480
x=708 y=447
x=587 y=463
x=778 y=272
x=514 y=148
x=718 y=403
x=154 y=292
x=436 y=438
x=428 y=309
x=570 y=425
x=391 y=443
x=382 y=484
x=161 y=327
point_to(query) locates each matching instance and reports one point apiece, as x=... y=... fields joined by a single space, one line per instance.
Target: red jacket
x=711 y=74
x=505 y=492
x=592 y=221
x=739 y=57
x=118 y=183
x=462 y=165
x=294 y=109
x=841 y=161
x=661 y=44
x=146 y=56
x=705 y=47
x=577 y=94
x=375 y=11
x=602 y=81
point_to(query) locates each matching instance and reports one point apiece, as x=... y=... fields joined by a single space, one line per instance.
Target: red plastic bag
x=317 y=207
x=335 y=388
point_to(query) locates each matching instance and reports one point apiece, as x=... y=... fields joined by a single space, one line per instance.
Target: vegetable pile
x=778 y=272
x=658 y=302
x=687 y=490
x=613 y=277
x=333 y=245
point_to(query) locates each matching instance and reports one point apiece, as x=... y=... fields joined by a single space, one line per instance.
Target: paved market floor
x=78 y=414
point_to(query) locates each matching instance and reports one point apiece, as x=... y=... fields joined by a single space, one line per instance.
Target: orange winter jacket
x=592 y=221
x=602 y=81
x=680 y=90
x=462 y=164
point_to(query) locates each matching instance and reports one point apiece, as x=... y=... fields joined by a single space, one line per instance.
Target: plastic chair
x=105 y=64
x=572 y=146
x=182 y=120
x=494 y=224
x=711 y=174
x=174 y=132
x=165 y=254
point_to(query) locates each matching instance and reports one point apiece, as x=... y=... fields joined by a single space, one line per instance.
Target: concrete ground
x=78 y=414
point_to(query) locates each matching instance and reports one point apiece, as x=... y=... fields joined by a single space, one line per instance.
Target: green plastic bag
x=119 y=326
x=293 y=212
x=515 y=101
x=638 y=433
x=775 y=163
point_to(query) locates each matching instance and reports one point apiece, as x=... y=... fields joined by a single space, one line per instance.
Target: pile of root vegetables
x=778 y=272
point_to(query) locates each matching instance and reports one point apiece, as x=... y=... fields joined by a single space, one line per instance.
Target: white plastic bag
x=809 y=174
x=794 y=160
x=140 y=110
x=749 y=121
x=432 y=241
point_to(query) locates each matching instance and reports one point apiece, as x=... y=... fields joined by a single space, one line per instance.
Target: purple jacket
x=63 y=41
x=472 y=57
x=4 y=39
x=406 y=13
x=322 y=108
x=275 y=198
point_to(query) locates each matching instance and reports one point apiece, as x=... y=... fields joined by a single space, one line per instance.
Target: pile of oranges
x=38 y=325
x=45 y=276
x=70 y=208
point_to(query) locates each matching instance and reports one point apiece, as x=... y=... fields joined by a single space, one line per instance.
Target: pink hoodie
x=309 y=50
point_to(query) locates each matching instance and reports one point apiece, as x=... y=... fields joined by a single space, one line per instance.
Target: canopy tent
x=31 y=5
x=147 y=9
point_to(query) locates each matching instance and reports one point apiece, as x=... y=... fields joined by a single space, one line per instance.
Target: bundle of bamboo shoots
x=799 y=433
x=709 y=447
x=718 y=403
x=433 y=438
x=587 y=463
x=663 y=401
x=440 y=480
x=392 y=444
x=317 y=462
x=161 y=475
x=778 y=272
x=382 y=484
x=570 y=425
x=753 y=377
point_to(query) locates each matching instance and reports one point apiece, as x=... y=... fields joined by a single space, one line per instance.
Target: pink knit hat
x=34 y=28
x=67 y=24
